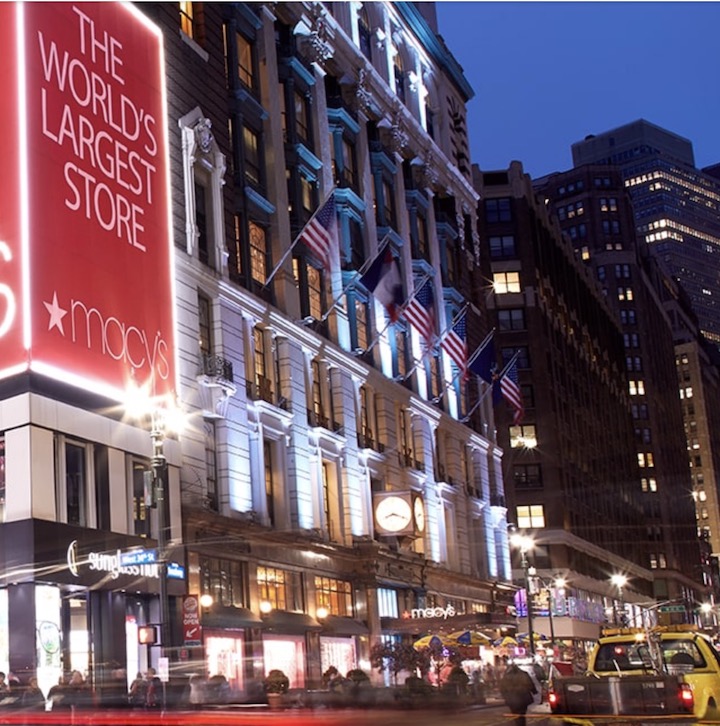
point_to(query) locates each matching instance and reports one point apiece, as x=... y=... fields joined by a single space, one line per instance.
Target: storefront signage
x=444 y=613
x=192 y=630
x=175 y=571
x=86 y=287
x=116 y=563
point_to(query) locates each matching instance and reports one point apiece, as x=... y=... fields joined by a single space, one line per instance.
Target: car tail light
x=687 y=699
x=553 y=700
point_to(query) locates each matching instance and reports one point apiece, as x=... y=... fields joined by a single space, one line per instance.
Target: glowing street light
x=525 y=544
x=619 y=580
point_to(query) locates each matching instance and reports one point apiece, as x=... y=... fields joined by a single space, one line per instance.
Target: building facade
x=571 y=465
x=332 y=498
x=596 y=214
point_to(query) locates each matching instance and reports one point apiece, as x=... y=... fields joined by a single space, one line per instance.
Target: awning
x=337 y=625
x=229 y=618
x=282 y=621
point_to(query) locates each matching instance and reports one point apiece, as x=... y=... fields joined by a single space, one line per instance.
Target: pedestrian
x=153 y=691
x=136 y=694
x=517 y=690
x=4 y=685
x=32 y=697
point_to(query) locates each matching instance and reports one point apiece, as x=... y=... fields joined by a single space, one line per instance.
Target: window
x=366 y=434
x=648 y=484
x=399 y=76
x=523 y=437
x=246 y=61
x=252 y=157
x=530 y=516
x=258 y=252
x=364 y=34
x=498 y=210
x=335 y=595
x=627 y=317
x=625 y=293
x=601 y=273
x=637 y=388
x=503 y=246
x=504 y=282
x=527 y=476
x=387 y=208
x=645 y=459
x=270 y=488
x=523 y=356
x=400 y=356
x=281 y=588
x=686 y=392
x=202 y=223
x=360 y=322
x=204 y=326
x=211 y=492
x=225 y=580
x=310 y=281
x=511 y=319
x=387 y=603
x=187 y=19
x=75 y=479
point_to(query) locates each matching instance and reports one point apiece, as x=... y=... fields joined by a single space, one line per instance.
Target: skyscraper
x=676 y=207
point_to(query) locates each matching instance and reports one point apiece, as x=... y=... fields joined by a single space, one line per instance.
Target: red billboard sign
x=86 y=282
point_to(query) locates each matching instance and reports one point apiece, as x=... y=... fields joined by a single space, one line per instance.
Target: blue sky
x=547 y=74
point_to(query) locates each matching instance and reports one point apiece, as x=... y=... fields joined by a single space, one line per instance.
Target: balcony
x=215 y=384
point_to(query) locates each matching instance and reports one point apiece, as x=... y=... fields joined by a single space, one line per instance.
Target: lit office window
x=530 y=516
x=504 y=282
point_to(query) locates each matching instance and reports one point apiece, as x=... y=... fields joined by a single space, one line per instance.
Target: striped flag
x=319 y=233
x=420 y=313
x=455 y=345
x=510 y=389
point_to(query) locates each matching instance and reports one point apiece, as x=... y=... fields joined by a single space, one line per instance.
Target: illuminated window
x=686 y=392
x=585 y=252
x=523 y=436
x=387 y=602
x=186 y=19
x=637 y=388
x=625 y=293
x=281 y=588
x=504 y=282
x=645 y=459
x=648 y=484
x=531 y=516
x=258 y=252
x=246 y=61
x=252 y=157
x=310 y=281
x=335 y=595
x=400 y=352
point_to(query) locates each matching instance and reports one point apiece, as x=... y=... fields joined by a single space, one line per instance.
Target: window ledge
x=189 y=41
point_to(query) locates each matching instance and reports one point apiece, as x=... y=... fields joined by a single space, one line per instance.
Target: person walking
x=517 y=690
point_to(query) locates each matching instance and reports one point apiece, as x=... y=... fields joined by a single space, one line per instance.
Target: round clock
x=393 y=514
x=419 y=511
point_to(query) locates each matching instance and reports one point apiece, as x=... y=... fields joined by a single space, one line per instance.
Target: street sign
x=672 y=609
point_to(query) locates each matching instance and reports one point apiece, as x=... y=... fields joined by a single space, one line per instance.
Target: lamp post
x=619 y=581
x=525 y=544
x=159 y=474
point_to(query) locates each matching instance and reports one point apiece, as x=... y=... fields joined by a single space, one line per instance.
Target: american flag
x=510 y=389
x=319 y=233
x=420 y=313
x=455 y=345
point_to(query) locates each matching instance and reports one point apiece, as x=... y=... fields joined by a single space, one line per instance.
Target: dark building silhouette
x=571 y=465
x=595 y=212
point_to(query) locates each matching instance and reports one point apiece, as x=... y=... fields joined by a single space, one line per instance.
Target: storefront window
x=225 y=658
x=286 y=653
x=338 y=652
x=224 y=580
x=335 y=595
x=281 y=588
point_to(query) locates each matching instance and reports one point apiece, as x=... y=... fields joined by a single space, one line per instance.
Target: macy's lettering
x=445 y=613
x=119 y=340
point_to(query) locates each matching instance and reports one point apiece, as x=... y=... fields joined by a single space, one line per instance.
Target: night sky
x=547 y=74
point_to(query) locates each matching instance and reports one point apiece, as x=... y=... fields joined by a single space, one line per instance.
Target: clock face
x=419 y=510
x=393 y=514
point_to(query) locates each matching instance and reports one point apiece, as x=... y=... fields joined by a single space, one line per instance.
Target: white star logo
x=56 y=314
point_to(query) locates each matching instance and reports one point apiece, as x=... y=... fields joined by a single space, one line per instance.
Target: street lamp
x=525 y=544
x=619 y=581
x=557 y=584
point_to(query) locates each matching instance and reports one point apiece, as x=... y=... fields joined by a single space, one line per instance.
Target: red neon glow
x=86 y=280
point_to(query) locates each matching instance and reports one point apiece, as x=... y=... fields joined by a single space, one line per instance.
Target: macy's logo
x=110 y=336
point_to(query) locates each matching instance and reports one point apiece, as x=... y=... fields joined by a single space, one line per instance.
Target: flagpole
x=466 y=418
x=400 y=311
x=365 y=267
x=281 y=262
x=440 y=338
x=477 y=352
